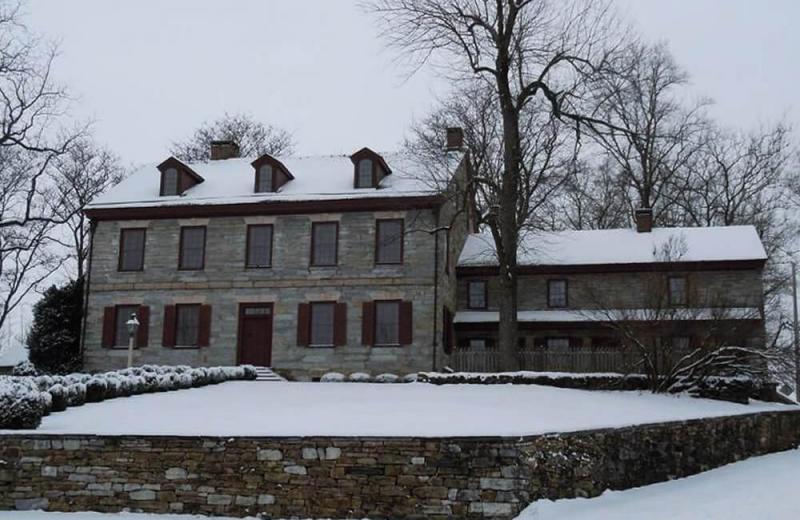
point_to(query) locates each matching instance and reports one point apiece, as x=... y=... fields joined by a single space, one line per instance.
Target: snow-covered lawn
x=349 y=409
x=762 y=488
x=42 y=515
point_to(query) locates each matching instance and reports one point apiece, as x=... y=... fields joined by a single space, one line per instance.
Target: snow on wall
x=623 y=246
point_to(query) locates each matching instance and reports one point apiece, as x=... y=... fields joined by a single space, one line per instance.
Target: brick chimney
x=455 y=139
x=644 y=220
x=224 y=150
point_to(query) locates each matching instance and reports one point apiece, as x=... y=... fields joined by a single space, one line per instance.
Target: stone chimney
x=644 y=220
x=224 y=150
x=455 y=139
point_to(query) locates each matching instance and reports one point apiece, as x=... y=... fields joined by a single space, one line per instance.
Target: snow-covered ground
x=762 y=488
x=349 y=409
x=42 y=515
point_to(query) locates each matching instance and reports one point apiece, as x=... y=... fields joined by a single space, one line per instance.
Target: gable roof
x=623 y=246
x=230 y=181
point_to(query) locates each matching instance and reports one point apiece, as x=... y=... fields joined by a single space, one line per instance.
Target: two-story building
x=588 y=292
x=361 y=263
x=305 y=264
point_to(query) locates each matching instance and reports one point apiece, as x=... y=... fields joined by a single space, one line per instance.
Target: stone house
x=306 y=264
x=361 y=263
x=589 y=291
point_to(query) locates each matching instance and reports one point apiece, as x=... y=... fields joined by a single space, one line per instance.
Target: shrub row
x=24 y=400
x=362 y=377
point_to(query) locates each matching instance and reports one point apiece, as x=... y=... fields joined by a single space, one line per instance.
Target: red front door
x=255 y=334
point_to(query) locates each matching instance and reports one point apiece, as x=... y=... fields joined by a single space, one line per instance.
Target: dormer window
x=270 y=174
x=170 y=182
x=176 y=177
x=365 y=178
x=264 y=178
x=370 y=169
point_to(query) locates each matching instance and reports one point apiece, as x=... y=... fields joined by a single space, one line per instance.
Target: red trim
x=399 y=304
x=266 y=208
x=182 y=169
x=311 y=305
x=240 y=327
x=491 y=326
x=267 y=158
x=716 y=265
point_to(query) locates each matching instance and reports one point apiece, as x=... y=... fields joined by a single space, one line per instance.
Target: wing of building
x=366 y=262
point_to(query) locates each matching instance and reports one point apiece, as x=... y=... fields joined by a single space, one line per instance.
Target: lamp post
x=796 y=334
x=133 y=326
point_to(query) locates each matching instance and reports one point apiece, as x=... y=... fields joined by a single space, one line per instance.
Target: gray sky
x=148 y=72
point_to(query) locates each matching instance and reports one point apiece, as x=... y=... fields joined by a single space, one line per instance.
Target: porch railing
x=572 y=360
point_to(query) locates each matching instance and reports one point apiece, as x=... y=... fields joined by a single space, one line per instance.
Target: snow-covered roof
x=623 y=246
x=231 y=181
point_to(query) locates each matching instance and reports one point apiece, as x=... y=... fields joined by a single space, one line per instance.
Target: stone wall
x=399 y=478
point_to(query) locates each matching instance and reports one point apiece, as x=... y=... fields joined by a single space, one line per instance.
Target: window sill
x=322 y=346
x=258 y=267
x=130 y=270
x=185 y=347
x=390 y=345
x=117 y=347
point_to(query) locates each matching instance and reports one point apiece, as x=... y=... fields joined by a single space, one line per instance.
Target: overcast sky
x=149 y=71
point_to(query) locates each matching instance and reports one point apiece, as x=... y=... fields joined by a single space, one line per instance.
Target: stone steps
x=266 y=374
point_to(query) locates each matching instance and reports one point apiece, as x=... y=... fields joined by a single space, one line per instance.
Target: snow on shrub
x=333 y=377
x=387 y=378
x=410 y=378
x=42 y=394
x=24 y=369
x=360 y=377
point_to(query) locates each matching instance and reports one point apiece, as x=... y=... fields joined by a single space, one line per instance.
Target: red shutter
x=406 y=326
x=340 y=324
x=204 y=334
x=168 y=339
x=447 y=330
x=303 y=324
x=143 y=334
x=108 y=327
x=368 y=323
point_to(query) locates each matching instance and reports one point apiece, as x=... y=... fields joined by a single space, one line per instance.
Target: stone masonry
x=398 y=478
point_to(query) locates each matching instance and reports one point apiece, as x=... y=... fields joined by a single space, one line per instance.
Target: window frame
x=248 y=246
x=178 y=307
x=485 y=294
x=271 y=180
x=373 y=176
x=180 y=249
x=376 y=303
x=670 y=299
x=557 y=338
x=312 y=262
x=178 y=176
x=378 y=223
x=117 y=309
x=122 y=232
x=550 y=283
x=311 y=305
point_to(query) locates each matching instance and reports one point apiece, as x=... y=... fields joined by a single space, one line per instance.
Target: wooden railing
x=572 y=360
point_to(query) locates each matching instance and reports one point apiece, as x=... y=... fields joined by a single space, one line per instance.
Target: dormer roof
x=366 y=153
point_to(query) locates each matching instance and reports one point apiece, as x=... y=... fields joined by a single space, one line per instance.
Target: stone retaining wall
x=369 y=477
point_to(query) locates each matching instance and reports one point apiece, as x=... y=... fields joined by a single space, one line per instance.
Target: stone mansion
x=357 y=263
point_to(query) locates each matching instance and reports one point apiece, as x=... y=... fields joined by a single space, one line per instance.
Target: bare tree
x=85 y=171
x=31 y=105
x=254 y=138
x=524 y=50
x=654 y=137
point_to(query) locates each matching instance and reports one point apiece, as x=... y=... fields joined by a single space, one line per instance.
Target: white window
x=387 y=323
x=364 y=174
x=170 y=182
x=322 y=323
x=677 y=290
x=556 y=293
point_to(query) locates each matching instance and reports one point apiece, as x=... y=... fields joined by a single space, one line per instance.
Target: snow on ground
x=253 y=408
x=763 y=488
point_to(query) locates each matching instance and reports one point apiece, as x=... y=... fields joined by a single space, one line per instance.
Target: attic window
x=264 y=179
x=365 y=178
x=170 y=182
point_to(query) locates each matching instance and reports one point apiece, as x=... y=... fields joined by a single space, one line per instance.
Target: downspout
x=86 y=286
x=435 y=292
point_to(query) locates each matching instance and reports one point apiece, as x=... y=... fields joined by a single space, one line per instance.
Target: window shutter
x=143 y=334
x=368 y=323
x=406 y=332
x=447 y=330
x=303 y=324
x=168 y=339
x=108 y=327
x=204 y=332
x=340 y=324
